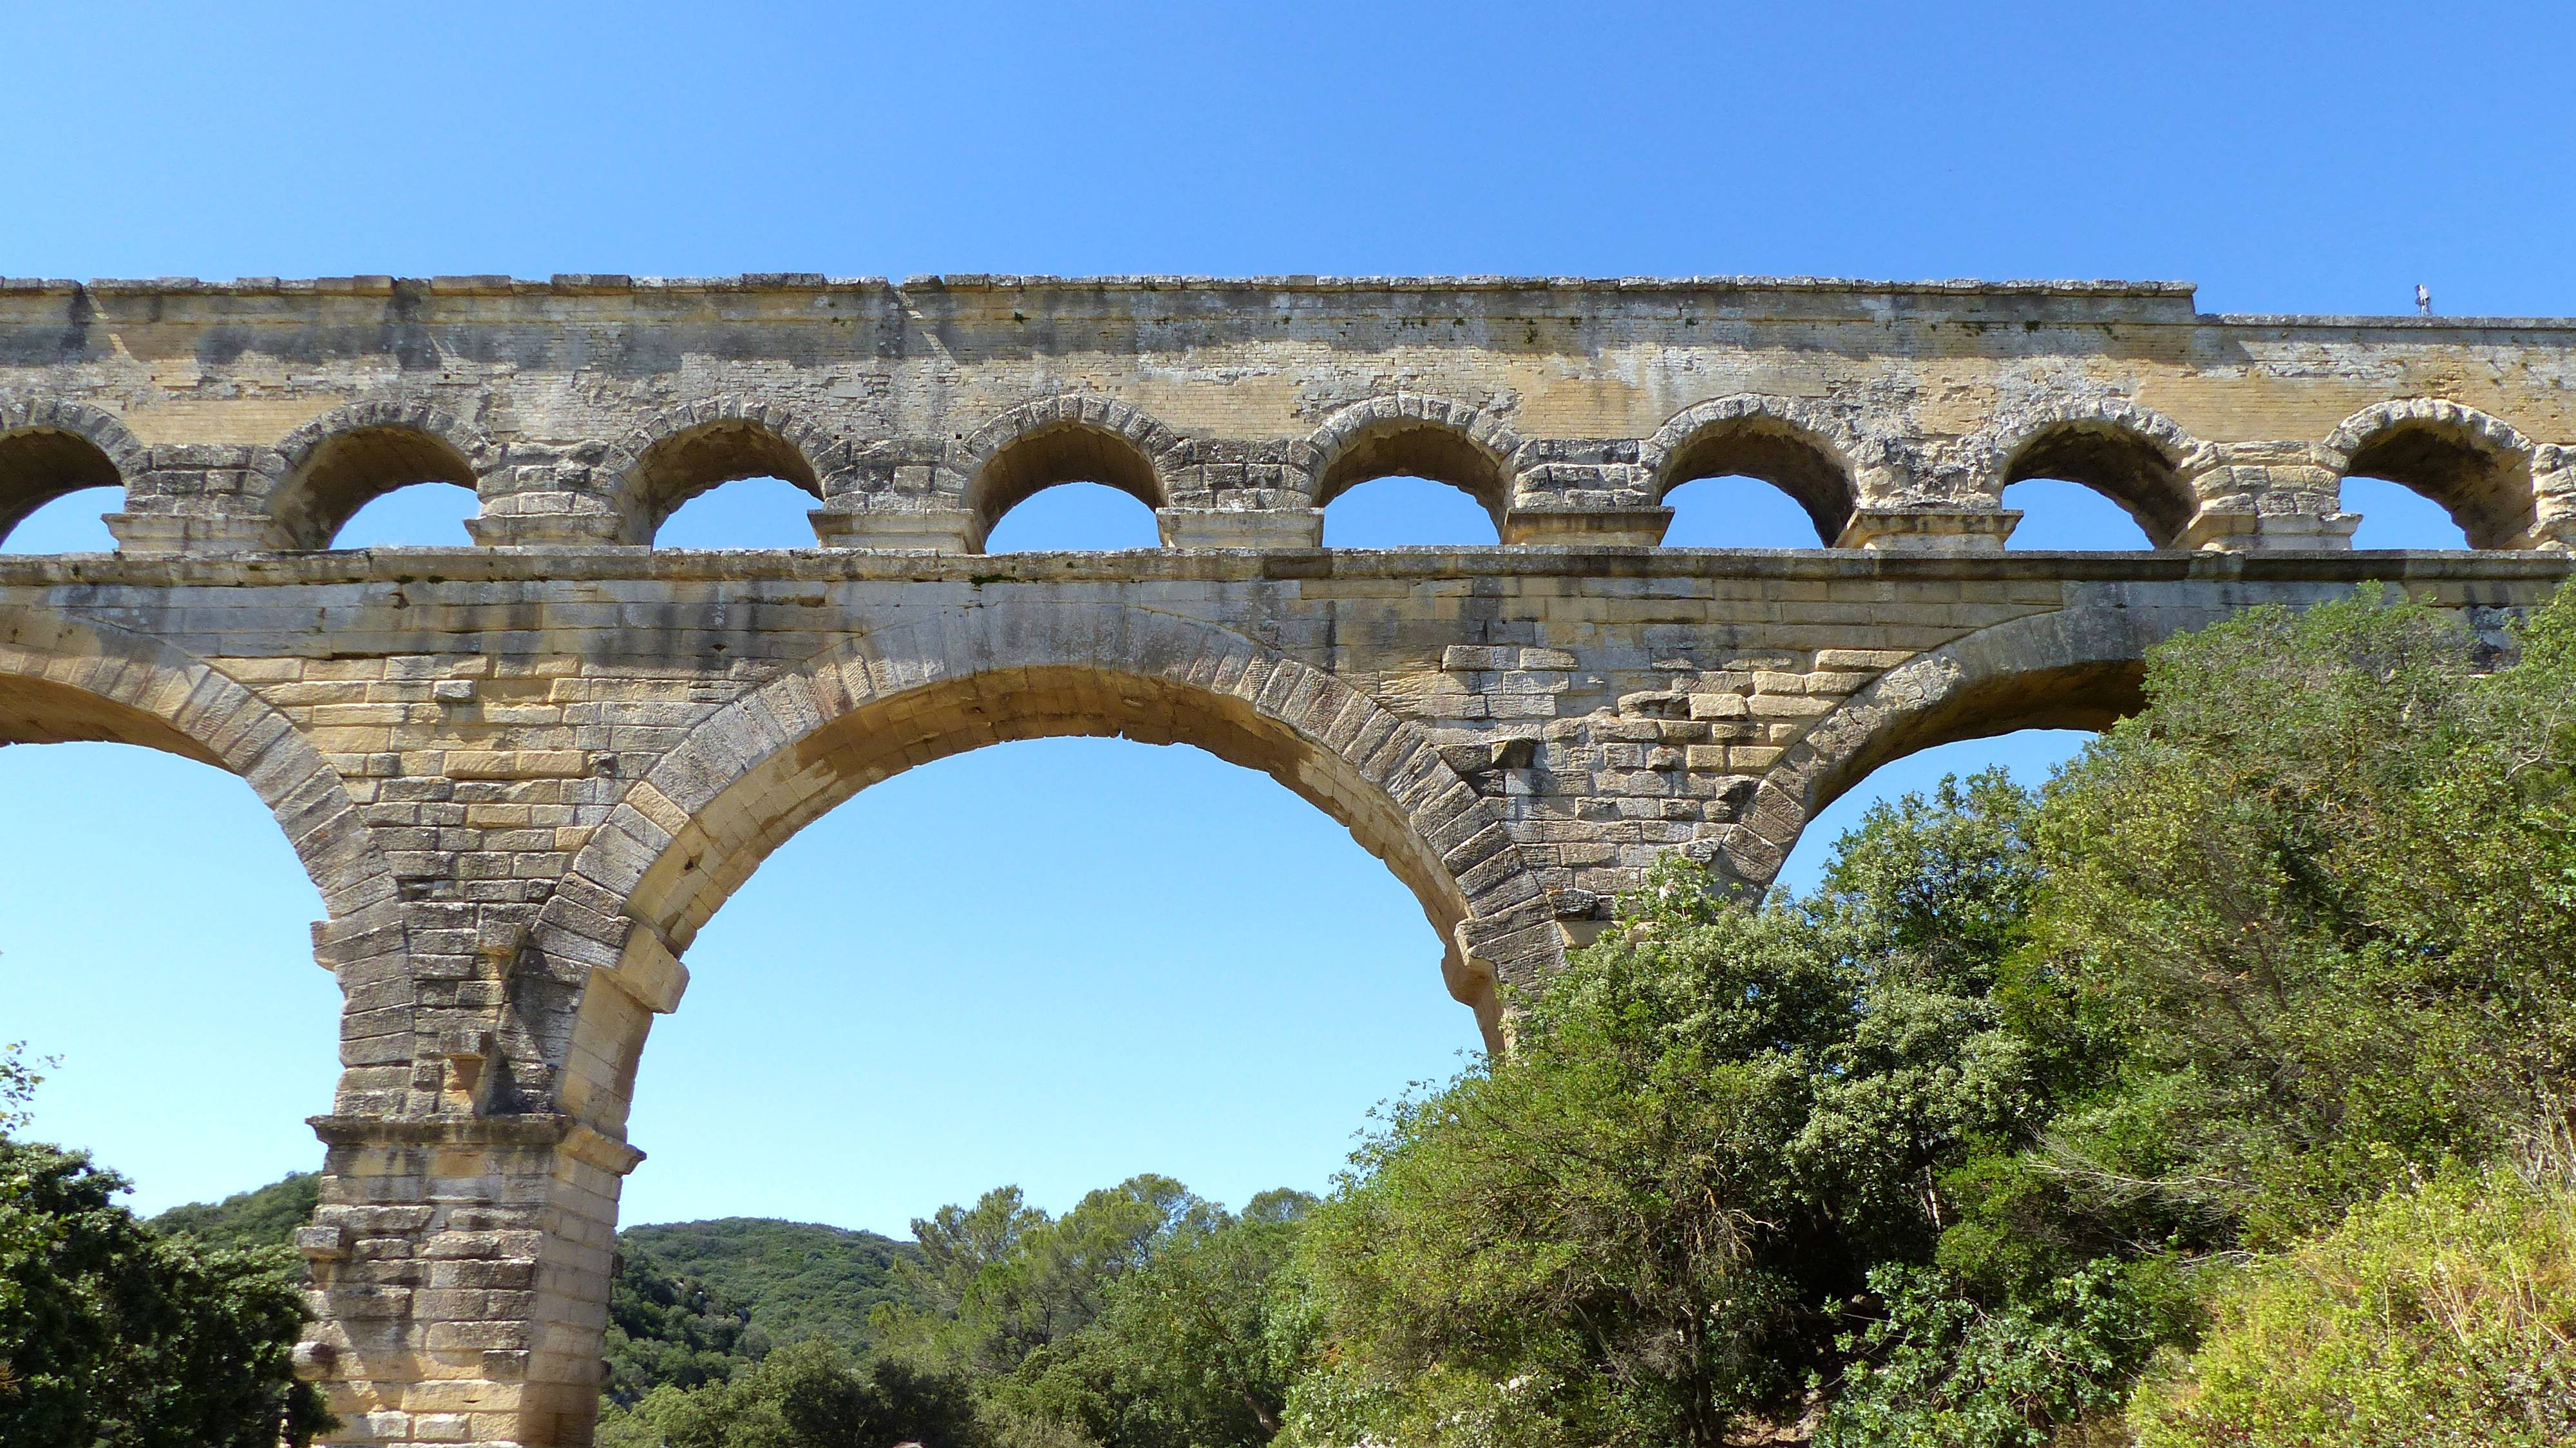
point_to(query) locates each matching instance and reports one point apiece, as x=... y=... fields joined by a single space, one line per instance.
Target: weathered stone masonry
x=525 y=774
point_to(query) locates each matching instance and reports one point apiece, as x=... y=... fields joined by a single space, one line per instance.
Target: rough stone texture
x=524 y=775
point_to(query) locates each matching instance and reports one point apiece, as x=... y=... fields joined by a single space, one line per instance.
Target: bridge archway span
x=2135 y=456
x=2078 y=668
x=70 y=682
x=1792 y=447
x=51 y=449
x=2477 y=466
x=1411 y=434
x=325 y=471
x=692 y=831
x=681 y=452
x=1080 y=437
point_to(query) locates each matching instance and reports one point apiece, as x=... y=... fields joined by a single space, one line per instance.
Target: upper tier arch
x=680 y=452
x=1075 y=437
x=52 y=448
x=2477 y=466
x=2135 y=456
x=325 y=471
x=1801 y=450
x=1412 y=434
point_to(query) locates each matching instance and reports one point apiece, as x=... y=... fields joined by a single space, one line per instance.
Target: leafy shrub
x=1942 y=1371
x=2440 y=1316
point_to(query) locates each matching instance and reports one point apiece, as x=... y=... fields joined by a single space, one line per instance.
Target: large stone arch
x=680 y=452
x=322 y=473
x=51 y=447
x=1802 y=450
x=1086 y=437
x=2134 y=455
x=2477 y=466
x=1413 y=434
x=687 y=834
x=65 y=680
x=2077 y=668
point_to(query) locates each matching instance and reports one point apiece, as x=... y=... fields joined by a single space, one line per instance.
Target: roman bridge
x=524 y=774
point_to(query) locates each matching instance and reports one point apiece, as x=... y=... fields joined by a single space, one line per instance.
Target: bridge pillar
x=461 y=1271
x=2268 y=497
x=199 y=498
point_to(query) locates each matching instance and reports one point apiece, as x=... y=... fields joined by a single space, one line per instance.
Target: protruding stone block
x=1240 y=527
x=1587 y=527
x=187 y=532
x=1929 y=530
x=910 y=530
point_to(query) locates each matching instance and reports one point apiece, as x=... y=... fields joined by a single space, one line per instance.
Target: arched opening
x=2483 y=484
x=1068 y=516
x=2394 y=515
x=1712 y=482
x=1411 y=482
x=2030 y=756
x=419 y=515
x=154 y=936
x=2079 y=694
x=758 y=512
x=60 y=473
x=2062 y=517
x=161 y=920
x=2075 y=669
x=1092 y=971
x=346 y=471
x=734 y=831
x=1050 y=456
x=686 y=464
x=1737 y=511
x=2132 y=470
x=72 y=523
x=1408 y=512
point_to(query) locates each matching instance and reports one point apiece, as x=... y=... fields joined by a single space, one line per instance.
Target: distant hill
x=267 y=1217
x=798 y=1279
x=695 y=1298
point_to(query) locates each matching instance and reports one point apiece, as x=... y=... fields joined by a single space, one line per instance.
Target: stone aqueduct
x=524 y=774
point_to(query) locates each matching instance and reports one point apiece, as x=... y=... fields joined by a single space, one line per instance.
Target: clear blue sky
x=1038 y=963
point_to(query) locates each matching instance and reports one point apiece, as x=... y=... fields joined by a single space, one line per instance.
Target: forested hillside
x=265 y=1217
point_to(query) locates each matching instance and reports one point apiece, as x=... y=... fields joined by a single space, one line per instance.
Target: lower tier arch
x=742 y=783
x=2079 y=668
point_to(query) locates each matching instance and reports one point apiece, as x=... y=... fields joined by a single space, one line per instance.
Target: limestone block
x=939 y=530
x=1929 y=530
x=1629 y=527
x=1240 y=528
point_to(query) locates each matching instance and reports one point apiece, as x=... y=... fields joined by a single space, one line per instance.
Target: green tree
x=668 y=1328
x=2320 y=892
x=112 y=1336
x=805 y=1395
x=1644 y=1224
x=18 y=1083
x=1005 y=1281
